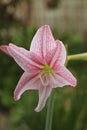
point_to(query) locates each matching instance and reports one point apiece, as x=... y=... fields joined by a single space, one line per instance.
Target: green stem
x=82 y=56
x=49 y=116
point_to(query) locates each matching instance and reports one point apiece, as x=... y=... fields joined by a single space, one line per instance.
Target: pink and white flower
x=43 y=65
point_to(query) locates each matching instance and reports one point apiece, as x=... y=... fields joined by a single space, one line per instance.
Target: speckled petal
x=4 y=48
x=43 y=41
x=27 y=60
x=66 y=76
x=28 y=81
x=44 y=93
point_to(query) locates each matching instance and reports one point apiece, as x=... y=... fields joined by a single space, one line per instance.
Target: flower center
x=47 y=69
x=46 y=74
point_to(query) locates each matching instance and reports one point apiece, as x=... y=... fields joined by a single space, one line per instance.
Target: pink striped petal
x=66 y=76
x=56 y=55
x=44 y=93
x=28 y=81
x=43 y=41
x=58 y=81
x=27 y=60
x=49 y=57
x=4 y=48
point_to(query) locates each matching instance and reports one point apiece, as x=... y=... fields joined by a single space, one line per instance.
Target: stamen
x=44 y=80
x=45 y=74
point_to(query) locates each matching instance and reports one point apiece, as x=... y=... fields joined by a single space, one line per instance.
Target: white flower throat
x=46 y=73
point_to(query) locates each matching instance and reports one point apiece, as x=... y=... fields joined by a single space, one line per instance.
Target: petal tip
x=45 y=27
x=16 y=96
x=74 y=84
x=37 y=110
x=11 y=45
x=4 y=48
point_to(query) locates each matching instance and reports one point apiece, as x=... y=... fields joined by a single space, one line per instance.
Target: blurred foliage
x=70 y=112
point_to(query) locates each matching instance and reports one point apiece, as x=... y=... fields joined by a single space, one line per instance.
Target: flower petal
x=57 y=81
x=43 y=41
x=66 y=76
x=44 y=93
x=28 y=81
x=27 y=60
x=56 y=55
x=4 y=48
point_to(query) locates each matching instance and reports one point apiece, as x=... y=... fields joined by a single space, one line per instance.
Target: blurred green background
x=70 y=111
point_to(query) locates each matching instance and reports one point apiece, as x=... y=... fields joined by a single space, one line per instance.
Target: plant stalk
x=82 y=56
x=50 y=109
